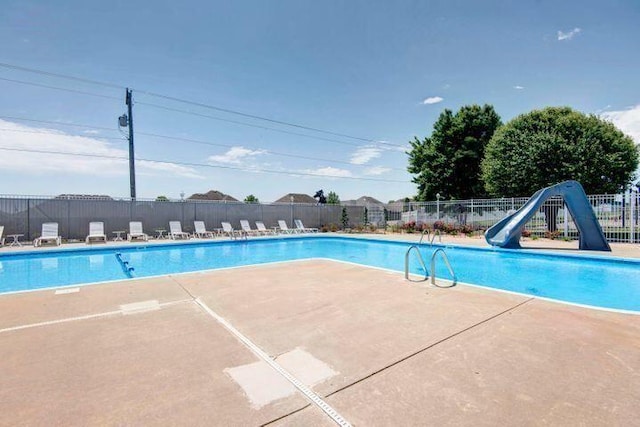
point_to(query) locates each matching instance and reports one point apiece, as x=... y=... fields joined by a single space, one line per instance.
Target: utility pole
x=127 y=120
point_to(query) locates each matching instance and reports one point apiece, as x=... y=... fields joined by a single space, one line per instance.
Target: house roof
x=363 y=201
x=213 y=195
x=297 y=198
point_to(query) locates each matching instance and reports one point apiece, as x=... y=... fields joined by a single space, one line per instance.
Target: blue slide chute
x=507 y=232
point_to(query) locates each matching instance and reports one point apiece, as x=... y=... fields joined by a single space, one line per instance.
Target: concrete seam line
x=86 y=317
x=313 y=397
x=440 y=341
x=55 y=322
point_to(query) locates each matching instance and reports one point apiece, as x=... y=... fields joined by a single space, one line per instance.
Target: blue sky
x=379 y=72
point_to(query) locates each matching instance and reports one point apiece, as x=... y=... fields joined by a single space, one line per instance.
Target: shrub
x=526 y=233
x=552 y=235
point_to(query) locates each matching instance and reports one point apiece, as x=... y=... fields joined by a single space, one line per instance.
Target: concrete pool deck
x=378 y=349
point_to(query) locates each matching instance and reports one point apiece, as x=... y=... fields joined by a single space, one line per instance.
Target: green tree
x=448 y=162
x=344 y=218
x=251 y=199
x=333 y=198
x=544 y=147
x=365 y=216
x=162 y=199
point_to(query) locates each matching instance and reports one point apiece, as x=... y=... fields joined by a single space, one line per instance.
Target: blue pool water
x=595 y=281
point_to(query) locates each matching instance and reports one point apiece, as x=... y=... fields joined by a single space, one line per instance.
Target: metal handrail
x=426 y=230
x=436 y=233
x=406 y=264
x=448 y=264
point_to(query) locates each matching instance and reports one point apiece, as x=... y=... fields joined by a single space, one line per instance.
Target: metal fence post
x=632 y=214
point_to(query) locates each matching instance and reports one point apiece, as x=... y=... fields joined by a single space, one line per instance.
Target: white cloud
x=518 y=87
x=628 y=121
x=376 y=170
x=146 y=167
x=91 y=132
x=569 y=35
x=365 y=154
x=329 y=171
x=19 y=137
x=235 y=155
x=432 y=100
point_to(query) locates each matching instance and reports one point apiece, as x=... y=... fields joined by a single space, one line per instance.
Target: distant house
x=364 y=201
x=83 y=197
x=296 y=198
x=213 y=195
x=375 y=208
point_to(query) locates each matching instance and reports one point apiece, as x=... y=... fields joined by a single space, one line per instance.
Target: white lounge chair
x=231 y=232
x=175 y=231
x=96 y=233
x=262 y=229
x=1 y=238
x=284 y=228
x=246 y=227
x=135 y=231
x=49 y=235
x=201 y=230
x=302 y=229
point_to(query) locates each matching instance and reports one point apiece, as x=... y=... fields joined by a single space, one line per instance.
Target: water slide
x=506 y=233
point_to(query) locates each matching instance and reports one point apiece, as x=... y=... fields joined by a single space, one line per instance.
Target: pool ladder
x=433 y=236
x=443 y=256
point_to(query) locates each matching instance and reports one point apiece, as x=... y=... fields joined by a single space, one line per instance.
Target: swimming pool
x=612 y=283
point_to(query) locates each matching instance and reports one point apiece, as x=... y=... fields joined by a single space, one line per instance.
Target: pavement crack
x=417 y=352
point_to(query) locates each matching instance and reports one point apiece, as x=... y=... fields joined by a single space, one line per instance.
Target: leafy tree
x=162 y=199
x=365 y=216
x=333 y=198
x=448 y=162
x=251 y=199
x=544 y=147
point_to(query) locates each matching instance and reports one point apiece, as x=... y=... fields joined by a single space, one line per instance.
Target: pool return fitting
x=443 y=256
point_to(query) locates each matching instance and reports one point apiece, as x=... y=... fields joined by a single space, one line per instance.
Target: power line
x=295 y=173
x=252 y=116
x=59 y=88
x=193 y=113
x=51 y=122
x=61 y=76
x=176 y=138
x=50 y=133
x=275 y=153
x=199 y=104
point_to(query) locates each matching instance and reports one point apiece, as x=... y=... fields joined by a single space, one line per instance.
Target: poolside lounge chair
x=229 y=231
x=175 y=231
x=262 y=229
x=201 y=230
x=96 y=233
x=284 y=228
x=302 y=229
x=135 y=231
x=49 y=235
x=246 y=227
x=1 y=238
